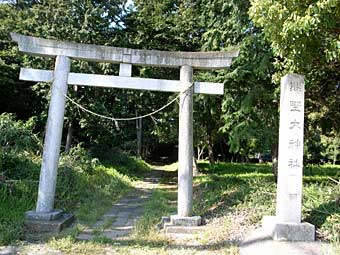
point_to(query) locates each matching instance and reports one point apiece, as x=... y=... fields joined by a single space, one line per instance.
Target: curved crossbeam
x=90 y=52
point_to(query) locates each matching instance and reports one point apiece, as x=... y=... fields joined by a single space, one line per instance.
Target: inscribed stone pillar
x=185 y=143
x=289 y=190
x=49 y=166
x=286 y=225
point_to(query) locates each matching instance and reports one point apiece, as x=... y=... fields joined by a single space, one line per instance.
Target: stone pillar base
x=177 y=220
x=44 y=222
x=44 y=216
x=286 y=231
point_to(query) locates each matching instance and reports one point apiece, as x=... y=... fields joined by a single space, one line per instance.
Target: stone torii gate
x=61 y=76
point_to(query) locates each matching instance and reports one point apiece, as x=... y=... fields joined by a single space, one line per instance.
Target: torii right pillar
x=286 y=225
x=184 y=215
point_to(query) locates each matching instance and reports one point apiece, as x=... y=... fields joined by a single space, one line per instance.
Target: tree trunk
x=194 y=167
x=69 y=137
x=70 y=128
x=222 y=150
x=210 y=150
x=260 y=158
x=139 y=137
x=275 y=162
x=199 y=152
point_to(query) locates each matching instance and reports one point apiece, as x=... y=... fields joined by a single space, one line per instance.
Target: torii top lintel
x=50 y=48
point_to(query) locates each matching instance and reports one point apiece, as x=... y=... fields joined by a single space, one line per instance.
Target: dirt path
x=121 y=219
x=116 y=224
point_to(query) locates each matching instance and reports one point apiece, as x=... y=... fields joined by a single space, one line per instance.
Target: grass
x=159 y=205
x=231 y=198
x=85 y=187
x=250 y=190
x=16 y=195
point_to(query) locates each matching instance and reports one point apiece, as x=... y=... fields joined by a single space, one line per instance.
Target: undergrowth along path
x=120 y=221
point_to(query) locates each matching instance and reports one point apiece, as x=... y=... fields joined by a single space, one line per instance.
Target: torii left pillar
x=45 y=218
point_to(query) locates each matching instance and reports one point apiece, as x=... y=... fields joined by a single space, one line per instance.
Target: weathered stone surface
x=50 y=48
x=163 y=222
x=285 y=231
x=85 y=237
x=44 y=216
x=55 y=226
x=98 y=80
x=289 y=184
x=116 y=233
x=171 y=229
x=125 y=70
x=8 y=250
x=178 y=220
x=124 y=213
x=185 y=144
x=54 y=129
x=286 y=225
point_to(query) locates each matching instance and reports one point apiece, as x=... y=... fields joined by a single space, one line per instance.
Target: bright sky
x=10 y=1
x=7 y=1
x=129 y=2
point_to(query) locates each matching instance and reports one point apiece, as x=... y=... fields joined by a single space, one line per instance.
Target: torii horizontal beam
x=50 y=48
x=98 y=80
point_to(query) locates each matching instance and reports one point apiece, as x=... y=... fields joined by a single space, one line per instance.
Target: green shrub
x=85 y=186
x=131 y=166
x=19 y=174
x=17 y=135
x=15 y=199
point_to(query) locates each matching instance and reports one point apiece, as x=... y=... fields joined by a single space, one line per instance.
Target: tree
x=224 y=23
x=15 y=96
x=250 y=109
x=223 y=26
x=86 y=22
x=165 y=25
x=302 y=33
x=332 y=146
x=304 y=36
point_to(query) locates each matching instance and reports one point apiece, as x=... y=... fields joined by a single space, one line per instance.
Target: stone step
x=116 y=233
x=8 y=250
x=108 y=233
x=84 y=237
x=52 y=226
x=171 y=229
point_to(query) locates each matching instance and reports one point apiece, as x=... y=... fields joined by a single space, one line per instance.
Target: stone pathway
x=121 y=219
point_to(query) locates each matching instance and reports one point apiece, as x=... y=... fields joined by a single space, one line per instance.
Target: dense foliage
x=304 y=36
x=274 y=37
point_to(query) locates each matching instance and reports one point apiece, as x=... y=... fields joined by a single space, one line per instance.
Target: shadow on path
x=120 y=220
